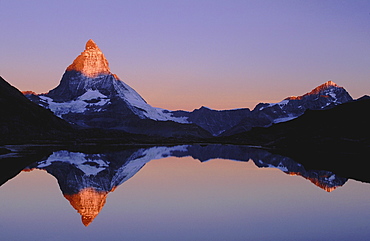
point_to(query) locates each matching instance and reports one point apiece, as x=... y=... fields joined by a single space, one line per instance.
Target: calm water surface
x=167 y=193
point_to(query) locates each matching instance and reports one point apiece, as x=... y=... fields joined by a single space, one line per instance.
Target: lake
x=186 y=192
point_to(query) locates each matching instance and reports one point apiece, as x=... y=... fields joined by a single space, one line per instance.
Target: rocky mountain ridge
x=322 y=97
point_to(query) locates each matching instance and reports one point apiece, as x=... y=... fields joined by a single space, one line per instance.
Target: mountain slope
x=344 y=126
x=324 y=96
x=88 y=86
x=20 y=119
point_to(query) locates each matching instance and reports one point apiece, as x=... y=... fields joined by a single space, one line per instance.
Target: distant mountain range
x=92 y=104
x=90 y=96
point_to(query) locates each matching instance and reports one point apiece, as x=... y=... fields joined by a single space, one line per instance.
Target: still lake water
x=181 y=193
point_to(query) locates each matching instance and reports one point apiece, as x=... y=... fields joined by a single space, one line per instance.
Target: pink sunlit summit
x=91 y=62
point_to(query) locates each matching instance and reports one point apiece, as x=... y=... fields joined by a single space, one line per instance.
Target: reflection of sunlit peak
x=88 y=202
x=27 y=169
x=322 y=185
x=315 y=181
x=29 y=92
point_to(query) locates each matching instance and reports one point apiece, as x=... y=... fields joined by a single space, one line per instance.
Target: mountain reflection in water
x=85 y=179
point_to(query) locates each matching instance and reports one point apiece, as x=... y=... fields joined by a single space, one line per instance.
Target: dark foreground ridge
x=20 y=119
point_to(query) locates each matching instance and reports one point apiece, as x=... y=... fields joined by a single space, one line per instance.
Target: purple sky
x=185 y=54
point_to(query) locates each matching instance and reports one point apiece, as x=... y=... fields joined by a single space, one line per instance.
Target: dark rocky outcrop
x=20 y=119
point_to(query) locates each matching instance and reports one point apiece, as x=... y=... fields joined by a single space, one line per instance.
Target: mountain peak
x=91 y=62
x=90 y=44
x=88 y=202
x=324 y=86
x=327 y=85
x=330 y=83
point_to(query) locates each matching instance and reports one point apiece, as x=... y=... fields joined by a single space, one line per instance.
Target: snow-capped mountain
x=89 y=86
x=89 y=95
x=324 y=96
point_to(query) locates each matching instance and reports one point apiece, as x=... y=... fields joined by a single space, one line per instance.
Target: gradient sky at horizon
x=185 y=54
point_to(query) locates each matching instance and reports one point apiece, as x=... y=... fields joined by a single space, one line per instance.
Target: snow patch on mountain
x=92 y=100
x=284 y=119
x=280 y=104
